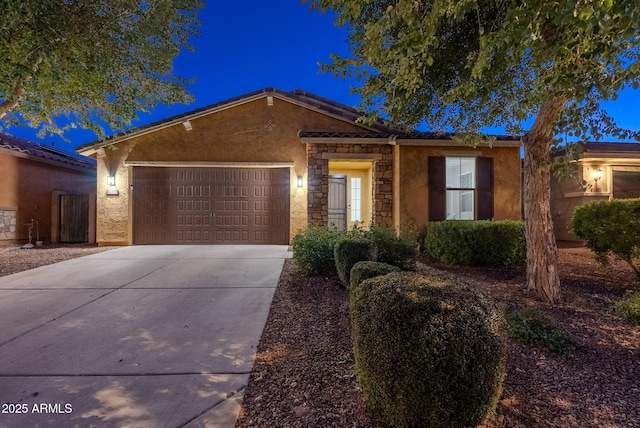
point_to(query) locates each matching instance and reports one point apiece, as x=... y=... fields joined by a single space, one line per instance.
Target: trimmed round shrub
x=477 y=243
x=430 y=352
x=366 y=269
x=350 y=251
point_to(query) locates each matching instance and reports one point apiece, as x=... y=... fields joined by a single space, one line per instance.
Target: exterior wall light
x=299 y=182
x=111 y=182
x=597 y=174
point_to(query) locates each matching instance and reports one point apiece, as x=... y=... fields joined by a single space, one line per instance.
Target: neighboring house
x=257 y=168
x=52 y=189
x=609 y=170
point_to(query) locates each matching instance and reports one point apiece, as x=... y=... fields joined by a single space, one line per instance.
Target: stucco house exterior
x=259 y=167
x=609 y=170
x=51 y=189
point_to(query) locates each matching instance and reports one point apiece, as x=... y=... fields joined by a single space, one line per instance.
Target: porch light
x=111 y=182
x=299 y=182
x=597 y=174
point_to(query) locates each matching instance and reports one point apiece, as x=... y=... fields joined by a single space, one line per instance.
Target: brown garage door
x=210 y=205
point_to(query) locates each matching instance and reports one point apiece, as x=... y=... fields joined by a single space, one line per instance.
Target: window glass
x=461 y=184
x=356 y=199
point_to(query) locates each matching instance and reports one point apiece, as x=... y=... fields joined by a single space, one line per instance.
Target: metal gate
x=74 y=218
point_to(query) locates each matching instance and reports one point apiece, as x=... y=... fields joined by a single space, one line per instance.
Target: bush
x=610 y=228
x=313 y=249
x=477 y=243
x=430 y=352
x=531 y=327
x=350 y=251
x=392 y=249
x=365 y=270
x=629 y=309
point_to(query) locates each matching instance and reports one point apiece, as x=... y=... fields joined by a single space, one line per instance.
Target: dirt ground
x=303 y=376
x=14 y=258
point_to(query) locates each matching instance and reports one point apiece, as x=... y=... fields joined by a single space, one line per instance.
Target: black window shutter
x=485 y=188
x=437 y=188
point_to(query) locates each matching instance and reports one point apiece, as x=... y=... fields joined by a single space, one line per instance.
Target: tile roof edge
x=42 y=153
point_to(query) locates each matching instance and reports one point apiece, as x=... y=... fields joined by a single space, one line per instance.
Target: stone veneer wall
x=7 y=224
x=318 y=179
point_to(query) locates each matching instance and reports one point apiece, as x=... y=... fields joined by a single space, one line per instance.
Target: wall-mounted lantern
x=299 y=182
x=111 y=182
x=597 y=175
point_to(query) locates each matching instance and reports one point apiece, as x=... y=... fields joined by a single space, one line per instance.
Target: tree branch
x=17 y=95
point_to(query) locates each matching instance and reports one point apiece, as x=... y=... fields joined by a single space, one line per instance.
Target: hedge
x=477 y=243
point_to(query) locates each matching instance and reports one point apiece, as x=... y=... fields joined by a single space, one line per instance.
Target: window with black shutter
x=460 y=188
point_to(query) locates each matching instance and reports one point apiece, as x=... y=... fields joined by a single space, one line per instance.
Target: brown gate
x=74 y=218
x=210 y=205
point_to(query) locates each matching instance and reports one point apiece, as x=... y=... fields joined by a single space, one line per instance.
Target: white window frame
x=356 y=198
x=459 y=195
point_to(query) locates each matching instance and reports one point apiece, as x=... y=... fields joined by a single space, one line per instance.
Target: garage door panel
x=211 y=205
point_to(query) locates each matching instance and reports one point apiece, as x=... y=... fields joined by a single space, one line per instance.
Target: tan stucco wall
x=28 y=185
x=412 y=181
x=567 y=195
x=250 y=132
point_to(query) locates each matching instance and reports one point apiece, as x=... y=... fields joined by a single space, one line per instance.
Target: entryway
x=350 y=193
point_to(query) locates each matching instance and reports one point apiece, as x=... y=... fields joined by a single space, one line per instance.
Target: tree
x=468 y=64
x=86 y=62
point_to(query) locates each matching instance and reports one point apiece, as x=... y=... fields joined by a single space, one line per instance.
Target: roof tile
x=46 y=153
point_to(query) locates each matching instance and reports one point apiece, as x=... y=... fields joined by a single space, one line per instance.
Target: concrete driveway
x=143 y=336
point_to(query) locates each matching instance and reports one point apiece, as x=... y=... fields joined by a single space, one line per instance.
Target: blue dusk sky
x=250 y=45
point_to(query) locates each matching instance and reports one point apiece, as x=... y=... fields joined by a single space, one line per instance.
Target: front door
x=338 y=201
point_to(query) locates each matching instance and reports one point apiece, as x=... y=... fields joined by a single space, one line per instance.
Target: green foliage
x=368 y=269
x=629 y=309
x=465 y=65
x=532 y=327
x=611 y=228
x=350 y=251
x=398 y=250
x=429 y=352
x=313 y=249
x=468 y=65
x=477 y=243
x=91 y=61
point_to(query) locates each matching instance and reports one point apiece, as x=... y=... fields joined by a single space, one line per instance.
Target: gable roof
x=298 y=96
x=30 y=150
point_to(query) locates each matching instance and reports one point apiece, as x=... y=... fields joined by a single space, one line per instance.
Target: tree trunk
x=542 y=252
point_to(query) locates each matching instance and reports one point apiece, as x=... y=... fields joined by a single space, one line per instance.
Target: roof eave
x=34 y=158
